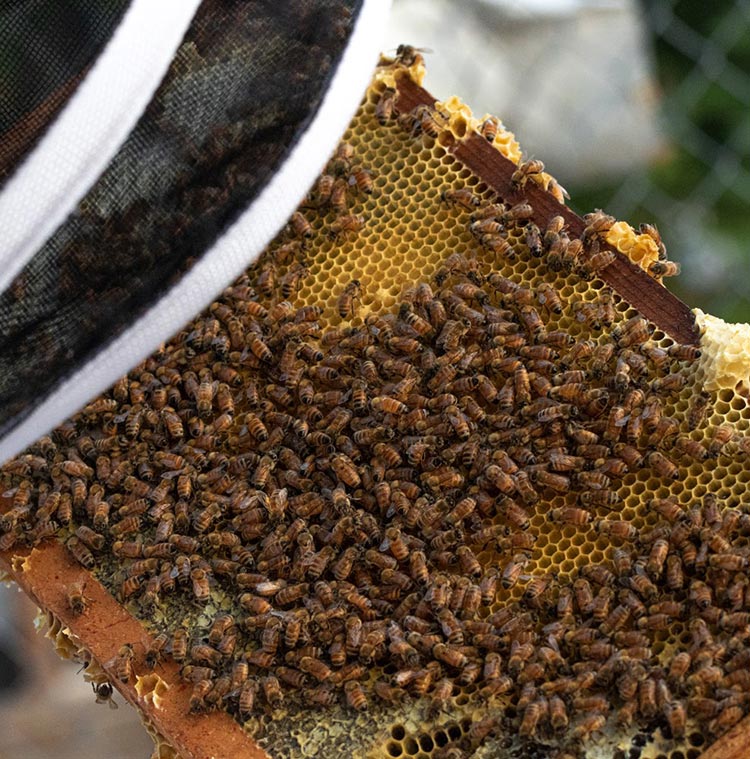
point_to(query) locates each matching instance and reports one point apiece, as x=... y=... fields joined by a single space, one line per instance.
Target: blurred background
x=639 y=108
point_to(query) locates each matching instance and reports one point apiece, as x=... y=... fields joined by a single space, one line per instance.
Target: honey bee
x=179 y=645
x=662 y=465
x=453 y=657
x=548 y=296
x=698 y=410
x=205 y=397
x=622 y=561
x=670 y=383
x=721 y=436
x=395 y=543
x=72 y=468
x=427 y=120
x=634 y=331
x=489 y=128
x=90 y=538
x=664 y=269
x=463 y=197
x=65 y=511
x=556 y=247
x=77 y=601
x=684 y=352
x=586 y=727
x=668 y=508
x=515 y=514
x=80 y=552
x=597 y=260
x=569 y=255
x=674 y=713
x=103 y=692
x=536 y=587
x=616 y=619
x=530 y=720
x=172 y=423
x=355 y=695
x=653 y=233
x=616 y=528
x=259 y=349
x=197 y=701
x=674 y=575
x=299 y=225
x=558 y=192
x=643 y=586
x=570 y=515
x=200 y=585
x=123 y=663
x=385 y=109
x=546 y=479
x=290 y=282
x=155 y=650
x=346 y=225
x=316 y=668
x=513 y=569
x=130 y=586
x=497 y=245
x=598 y=224
x=730 y=562
x=525 y=170
x=338 y=195
x=363 y=180
x=518 y=212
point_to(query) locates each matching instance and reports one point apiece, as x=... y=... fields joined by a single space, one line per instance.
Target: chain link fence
x=699 y=191
x=639 y=108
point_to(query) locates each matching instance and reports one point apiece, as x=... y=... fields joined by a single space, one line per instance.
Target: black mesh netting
x=45 y=48
x=246 y=80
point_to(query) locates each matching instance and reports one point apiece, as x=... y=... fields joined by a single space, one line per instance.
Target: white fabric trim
x=89 y=130
x=234 y=251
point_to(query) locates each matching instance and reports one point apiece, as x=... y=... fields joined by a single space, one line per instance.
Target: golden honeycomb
x=68 y=646
x=401 y=232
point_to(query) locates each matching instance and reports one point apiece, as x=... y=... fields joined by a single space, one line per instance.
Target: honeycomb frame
x=680 y=324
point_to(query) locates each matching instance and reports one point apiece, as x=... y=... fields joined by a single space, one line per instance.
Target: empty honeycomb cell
x=426 y=743
x=440 y=738
x=410 y=745
x=543 y=562
x=393 y=748
x=722 y=408
x=398 y=732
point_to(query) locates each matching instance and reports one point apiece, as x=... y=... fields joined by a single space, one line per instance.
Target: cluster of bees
x=362 y=496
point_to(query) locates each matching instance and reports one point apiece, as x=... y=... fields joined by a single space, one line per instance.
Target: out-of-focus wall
x=572 y=79
x=47 y=711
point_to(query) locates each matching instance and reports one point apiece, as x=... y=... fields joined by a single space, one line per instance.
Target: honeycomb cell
x=394 y=749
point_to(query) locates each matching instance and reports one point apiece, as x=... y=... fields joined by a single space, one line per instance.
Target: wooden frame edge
x=633 y=284
x=45 y=574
